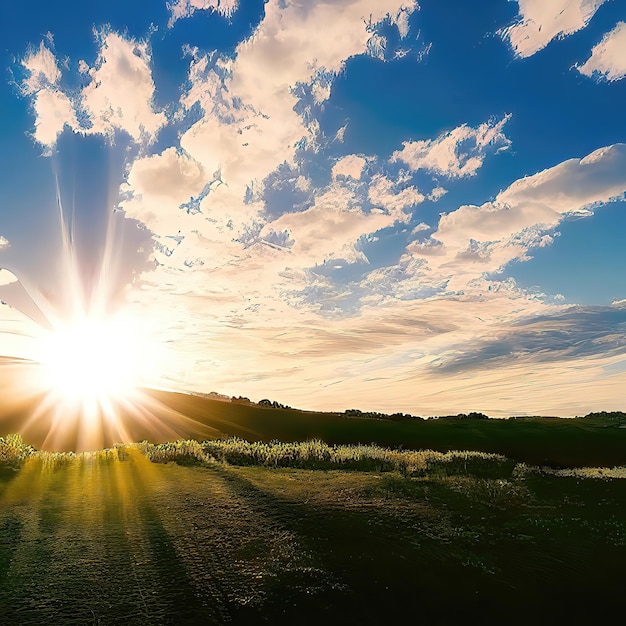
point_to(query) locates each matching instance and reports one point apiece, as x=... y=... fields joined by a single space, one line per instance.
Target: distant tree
x=463 y=416
x=272 y=404
x=379 y=416
x=399 y=416
x=241 y=400
x=607 y=415
x=477 y=416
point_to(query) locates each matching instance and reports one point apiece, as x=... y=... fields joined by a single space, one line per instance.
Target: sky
x=372 y=204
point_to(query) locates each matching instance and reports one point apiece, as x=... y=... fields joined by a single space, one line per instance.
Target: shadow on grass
x=177 y=593
x=479 y=554
x=87 y=546
x=103 y=540
x=376 y=570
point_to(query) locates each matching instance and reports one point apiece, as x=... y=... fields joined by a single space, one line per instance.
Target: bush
x=13 y=451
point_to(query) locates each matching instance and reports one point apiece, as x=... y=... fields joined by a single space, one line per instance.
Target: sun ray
x=89 y=357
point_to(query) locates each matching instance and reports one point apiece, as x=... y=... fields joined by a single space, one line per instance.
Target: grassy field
x=238 y=533
x=537 y=440
x=560 y=443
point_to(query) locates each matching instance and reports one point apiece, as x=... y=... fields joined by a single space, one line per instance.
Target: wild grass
x=316 y=454
x=604 y=473
x=313 y=454
x=13 y=451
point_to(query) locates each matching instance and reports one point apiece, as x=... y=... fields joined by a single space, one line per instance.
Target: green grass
x=316 y=454
x=234 y=532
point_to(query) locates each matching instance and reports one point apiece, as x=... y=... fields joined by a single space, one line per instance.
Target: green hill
x=598 y=439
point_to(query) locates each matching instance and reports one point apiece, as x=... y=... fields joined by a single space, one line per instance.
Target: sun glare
x=90 y=377
x=92 y=361
x=91 y=355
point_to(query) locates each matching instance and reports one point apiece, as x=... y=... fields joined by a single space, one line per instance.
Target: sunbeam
x=81 y=357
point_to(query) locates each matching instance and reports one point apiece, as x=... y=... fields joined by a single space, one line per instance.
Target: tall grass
x=313 y=454
x=605 y=473
x=13 y=451
x=183 y=452
x=316 y=454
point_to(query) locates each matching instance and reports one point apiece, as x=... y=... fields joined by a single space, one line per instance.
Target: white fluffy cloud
x=217 y=224
x=249 y=128
x=42 y=68
x=171 y=174
x=473 y=240
x=608 y=58
x=186 y=8
x=455 y=154
x=540 y=21
x=350 y=166
x=119 y=95
x=575 y=184
x=53 y=109
x=331 y=228
x=250 y=125
x=121 y=92
x=395 y=197
x=433 y=307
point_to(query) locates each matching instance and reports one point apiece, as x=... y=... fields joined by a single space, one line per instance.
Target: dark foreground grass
x=113 y=538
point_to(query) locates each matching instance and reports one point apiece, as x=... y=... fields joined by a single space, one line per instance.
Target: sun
x=93 y=353
x=94 y=360
x=91 y=377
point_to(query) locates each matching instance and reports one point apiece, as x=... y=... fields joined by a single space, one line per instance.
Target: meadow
x=231 y=531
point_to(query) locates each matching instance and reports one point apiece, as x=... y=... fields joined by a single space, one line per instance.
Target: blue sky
x=366 y=203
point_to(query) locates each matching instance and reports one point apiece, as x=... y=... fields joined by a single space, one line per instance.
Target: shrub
x=13 y=451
